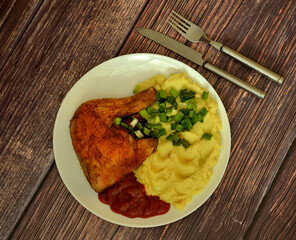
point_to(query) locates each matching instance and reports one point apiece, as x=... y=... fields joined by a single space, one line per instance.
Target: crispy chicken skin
x=108 y=152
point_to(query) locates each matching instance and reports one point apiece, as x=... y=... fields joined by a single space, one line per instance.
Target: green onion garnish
x=144 y=113
x=170 y=137
x=205 y=95
x=185 y=95
x=173 y=126
x=162 y=94
x=177 y=143
x=171 y=99
x=134 y=122
x=146 y=131
x=174 y=93
x=192 y=106
x=126 y=126
x=136 y=89
x=157 y=126
x=149 y=125
x=169 y=110
x=207 y=136
x=163 y=117
x=203 y=111
x=162 y=132
x=117 y=120
x=199 y=117
x=154 y=134
x=139 y=125
x=139 y=134
x=180 y=128
x=179 y=116
x=185 y=144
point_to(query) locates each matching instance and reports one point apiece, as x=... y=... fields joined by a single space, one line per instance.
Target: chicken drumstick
x=108 y=152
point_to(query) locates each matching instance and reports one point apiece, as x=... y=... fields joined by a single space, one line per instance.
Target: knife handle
x=235 y=80
x=251 y=64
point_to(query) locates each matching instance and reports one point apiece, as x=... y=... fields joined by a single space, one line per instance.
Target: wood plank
x=276 y=219
x=64 y=41
x=262 y=131
x=15 y=16
x=63 y=212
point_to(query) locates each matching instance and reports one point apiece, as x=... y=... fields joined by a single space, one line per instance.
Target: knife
x=196 y=57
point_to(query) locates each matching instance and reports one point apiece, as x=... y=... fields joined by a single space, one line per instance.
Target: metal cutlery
x=196 y=57
x=195 y=34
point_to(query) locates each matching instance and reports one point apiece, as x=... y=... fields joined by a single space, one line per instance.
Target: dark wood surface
x=46 y=46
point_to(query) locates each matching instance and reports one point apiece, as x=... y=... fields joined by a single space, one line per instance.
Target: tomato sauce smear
x=128 y=197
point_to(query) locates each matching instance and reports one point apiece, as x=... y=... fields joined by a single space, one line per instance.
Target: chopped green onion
x=117 y=120
x=185 y=143
x=191 y=113
x=139 y=134
x=154 y=134
x=163 y=117
x=169 y=110
x=179 y=116
x=170 y=137
x=154 y=114
x=149 y=125
x=134 y=122
x=207 y=136
x=203 y=111
x=180 y=128
x=162 y=94
x=126 y=126
x=136 y=89
x=171 y=99
x=146 y=131
x=139 y=125
x=157 y=126
x=149 y=109
x=205 y=95
x=170 y=118
x=184 y=124
x=173 y=126
x=175 y=105
x=144 y=113
x=177 y=143
x=184 y=111
x=174 y=93
x=192 y=106
x=176 y=137
x=188 y=123
x=199 y=117
x=185 y=95
x=162 y=132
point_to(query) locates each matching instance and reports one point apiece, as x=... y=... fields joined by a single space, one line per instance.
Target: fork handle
x=264 y=71
x=234 y=80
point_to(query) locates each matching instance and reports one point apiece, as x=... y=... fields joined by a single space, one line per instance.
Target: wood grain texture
x=15 y=17
x=262 y=131
x=276 y=219
x=64 y=40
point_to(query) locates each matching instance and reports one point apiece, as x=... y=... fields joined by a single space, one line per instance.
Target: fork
x=194 y=33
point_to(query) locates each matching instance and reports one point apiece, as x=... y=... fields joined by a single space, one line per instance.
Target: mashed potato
x=175 y=173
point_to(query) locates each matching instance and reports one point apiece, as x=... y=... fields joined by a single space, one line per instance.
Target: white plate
x=117 y=78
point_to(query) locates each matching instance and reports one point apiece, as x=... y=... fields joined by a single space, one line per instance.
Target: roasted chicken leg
x=108 y=152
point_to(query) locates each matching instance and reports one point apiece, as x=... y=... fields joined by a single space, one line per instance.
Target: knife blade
x=196 y=57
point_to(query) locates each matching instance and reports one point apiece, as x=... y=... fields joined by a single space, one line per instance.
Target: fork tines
x=178 y=22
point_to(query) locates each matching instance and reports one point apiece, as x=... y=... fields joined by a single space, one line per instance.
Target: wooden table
x=46 y=46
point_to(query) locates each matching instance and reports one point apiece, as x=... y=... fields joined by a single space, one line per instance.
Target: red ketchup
x=128 y=197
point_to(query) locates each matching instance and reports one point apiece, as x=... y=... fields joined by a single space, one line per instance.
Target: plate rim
x=165 y=59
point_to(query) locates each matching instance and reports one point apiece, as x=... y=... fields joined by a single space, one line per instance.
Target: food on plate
x=128 y=197
x=108 y=152
x=189 y=145
x=154 y=149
